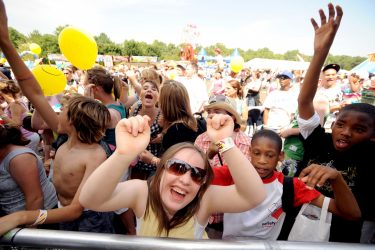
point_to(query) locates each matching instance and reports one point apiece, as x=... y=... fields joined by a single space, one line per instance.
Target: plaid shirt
x=153 y=148
x=241 y=140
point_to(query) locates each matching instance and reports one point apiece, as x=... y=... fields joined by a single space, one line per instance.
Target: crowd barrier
x=50 y=239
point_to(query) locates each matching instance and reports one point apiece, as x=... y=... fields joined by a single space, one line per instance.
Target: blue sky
x=279 y=25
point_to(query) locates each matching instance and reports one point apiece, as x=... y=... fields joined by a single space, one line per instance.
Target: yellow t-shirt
x=190 y=230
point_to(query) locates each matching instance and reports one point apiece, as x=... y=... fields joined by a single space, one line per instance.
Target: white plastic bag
x=312 y=223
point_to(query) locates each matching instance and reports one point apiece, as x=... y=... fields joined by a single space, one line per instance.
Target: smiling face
x=149 y=94
x=265 y=155
x=329 y=78
x=176 y=192
x=350 y=128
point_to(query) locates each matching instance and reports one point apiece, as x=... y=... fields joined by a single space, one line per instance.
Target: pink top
x=25 y=133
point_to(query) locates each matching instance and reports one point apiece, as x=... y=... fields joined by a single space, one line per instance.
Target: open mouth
x=342 y=143
x=177 y=194
x=149 y=96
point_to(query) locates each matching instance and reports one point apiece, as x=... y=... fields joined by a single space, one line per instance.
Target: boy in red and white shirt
x=265 y=221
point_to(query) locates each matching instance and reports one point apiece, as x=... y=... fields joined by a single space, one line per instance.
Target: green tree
x=264 y=53
x=291 y=55
x=59 y=29
x=103 y=39
x=109 y=49
x=16 y=37
x=106 y=46
x=133 y=48
x=35 y=37
x=172 y=52
x=49 y=45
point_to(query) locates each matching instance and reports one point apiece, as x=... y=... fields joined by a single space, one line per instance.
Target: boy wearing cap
x=330 y=88
x=220 y=104
x=280 y=105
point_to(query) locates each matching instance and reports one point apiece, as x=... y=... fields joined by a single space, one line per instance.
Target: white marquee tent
x=276 y=65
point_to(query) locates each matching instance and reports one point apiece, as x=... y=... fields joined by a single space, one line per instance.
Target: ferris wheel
x=190 y=35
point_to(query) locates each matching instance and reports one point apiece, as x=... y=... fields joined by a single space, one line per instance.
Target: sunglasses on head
x=178 y=167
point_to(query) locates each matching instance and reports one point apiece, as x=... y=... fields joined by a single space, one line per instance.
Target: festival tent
x=235 y=53
x=365 y=67
x=276 y=65
x=202 y=55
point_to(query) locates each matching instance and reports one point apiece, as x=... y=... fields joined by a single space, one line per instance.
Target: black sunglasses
x=178 y=167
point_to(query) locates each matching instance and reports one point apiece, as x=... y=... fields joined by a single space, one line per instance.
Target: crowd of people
x=166 y=151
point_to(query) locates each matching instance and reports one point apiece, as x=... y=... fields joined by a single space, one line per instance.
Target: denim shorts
x=91 y=221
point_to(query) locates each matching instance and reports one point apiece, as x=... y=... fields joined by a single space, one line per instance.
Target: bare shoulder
x=115 y=116
x=91 y=152
x=136 y=192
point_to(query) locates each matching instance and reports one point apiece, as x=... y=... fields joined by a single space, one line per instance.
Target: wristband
x=225 y=144
x=41 y=218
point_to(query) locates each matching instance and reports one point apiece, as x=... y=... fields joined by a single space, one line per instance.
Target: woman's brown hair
x=154 y=201
x=10 y=87
x=174 y=104
x=11 y=135
x=237 y=86
x=101 y=77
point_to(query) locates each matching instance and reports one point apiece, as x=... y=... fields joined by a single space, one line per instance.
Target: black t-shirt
x=358 y=170
x=177 y=133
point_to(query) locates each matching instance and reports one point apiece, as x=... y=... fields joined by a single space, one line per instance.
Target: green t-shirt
x=293 y=146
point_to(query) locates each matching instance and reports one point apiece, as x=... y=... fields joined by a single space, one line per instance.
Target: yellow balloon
x=78 y=47
x=236 y=64
x=35 y=48
x=50 y=78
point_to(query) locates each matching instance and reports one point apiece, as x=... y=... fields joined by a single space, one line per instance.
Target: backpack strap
x=287 y=200
x=106 y=147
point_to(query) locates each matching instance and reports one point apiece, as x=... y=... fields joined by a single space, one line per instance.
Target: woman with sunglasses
x=179 y=199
